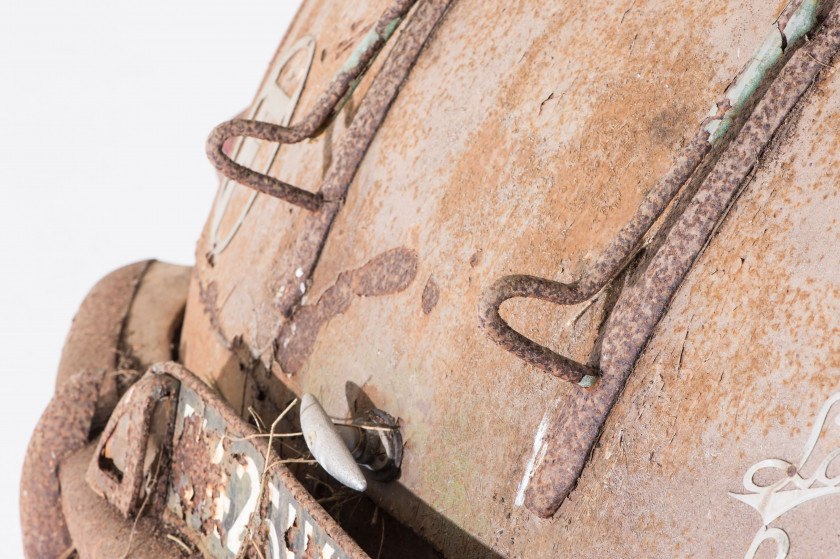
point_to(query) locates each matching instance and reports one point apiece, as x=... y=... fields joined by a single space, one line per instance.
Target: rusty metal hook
x=499 y=331
x=138 y=434
x=621 y=250
x=640 y=307
x=791 y=25
x=318 y=118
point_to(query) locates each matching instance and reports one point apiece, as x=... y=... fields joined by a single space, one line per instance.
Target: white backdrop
x=104 y=109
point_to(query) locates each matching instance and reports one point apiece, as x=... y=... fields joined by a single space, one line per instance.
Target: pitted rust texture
x=621 y=250
x=431 y=295
x=96 y=345
x=96 y=335
x=640 y=308
x=347 y=158
x=63 y=428
x=242 y=429
x=126 y=320
x=99 y=531
x=195 y=475
x=208 y=295
x=314 y=123
x=123 y=486
x=381 y=95
x=521 y=346
x=384 y=274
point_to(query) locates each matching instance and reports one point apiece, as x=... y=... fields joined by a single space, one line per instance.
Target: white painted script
x=793 y=489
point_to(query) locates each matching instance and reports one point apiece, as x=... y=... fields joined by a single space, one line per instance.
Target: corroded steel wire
x=620 y=251
x=640 y=308
x=797 y=18
x=325 y=109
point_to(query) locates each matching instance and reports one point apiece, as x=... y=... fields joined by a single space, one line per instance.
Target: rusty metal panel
x=234 y=277
x=224 y=497
x=746 y=358
x=497 y=160
x=525 y=146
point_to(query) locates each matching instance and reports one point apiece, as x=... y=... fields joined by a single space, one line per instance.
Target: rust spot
x=291 y=536
x=195 y=477
x=387 y=273
x=431 y=294
x=640 y=308
x=348 y=156
x=311 y=550
x=208 y=296
x=325 y=109
x=195 y=448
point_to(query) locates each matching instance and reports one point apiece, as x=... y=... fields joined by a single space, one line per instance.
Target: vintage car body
x=516 y=138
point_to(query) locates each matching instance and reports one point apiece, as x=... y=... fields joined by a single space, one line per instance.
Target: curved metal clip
x=272 y=104
x=499 y=331
x=325 y=109
x=795 y=20
x=640 y=307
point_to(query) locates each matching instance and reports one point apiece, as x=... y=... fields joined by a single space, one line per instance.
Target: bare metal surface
x=641 y=307
x=327 y=446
